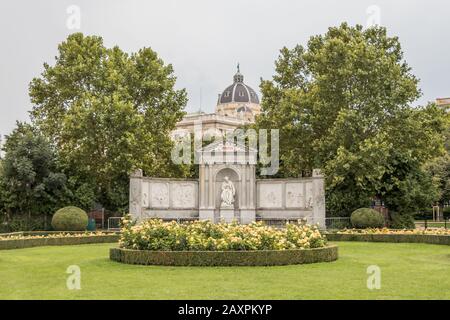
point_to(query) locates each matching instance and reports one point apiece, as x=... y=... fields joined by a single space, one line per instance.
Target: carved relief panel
x=183 y=195
x=159 y=194
x=295 y=195
x=270 y=195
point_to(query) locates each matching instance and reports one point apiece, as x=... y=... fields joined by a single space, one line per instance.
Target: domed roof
x=244 y=109
x=238 y=91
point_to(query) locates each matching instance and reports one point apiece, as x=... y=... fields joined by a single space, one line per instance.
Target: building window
x=227 y=93
x=241 y=93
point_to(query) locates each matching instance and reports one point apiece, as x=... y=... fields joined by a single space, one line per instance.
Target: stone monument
x=228 y=189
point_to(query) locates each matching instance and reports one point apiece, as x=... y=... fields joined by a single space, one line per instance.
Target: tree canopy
x=342 y=103
x=30 y=182
x=108 y=112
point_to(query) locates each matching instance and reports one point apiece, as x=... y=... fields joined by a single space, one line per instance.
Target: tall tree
x=439 y=167
x=342 y=104
x=30 y=182
x=108 y=112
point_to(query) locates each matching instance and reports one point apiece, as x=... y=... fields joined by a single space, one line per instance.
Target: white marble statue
x=228 y=192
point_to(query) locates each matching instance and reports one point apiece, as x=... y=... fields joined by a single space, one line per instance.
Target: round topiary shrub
x=70 y=219
x=366 y=218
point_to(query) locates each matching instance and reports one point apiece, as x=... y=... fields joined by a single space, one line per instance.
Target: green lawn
x=408 y=271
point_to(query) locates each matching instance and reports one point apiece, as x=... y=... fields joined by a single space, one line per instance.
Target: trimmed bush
x=57 y=241
x=366 y=218
x=394 y=238
x=401 y=221
x=70 y=219
x=224 y=258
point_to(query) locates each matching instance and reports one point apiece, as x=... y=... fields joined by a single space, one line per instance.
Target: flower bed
x=156 y=235
x=437 y=231
x=20 y=240
x=202 y=243
x=435 y=236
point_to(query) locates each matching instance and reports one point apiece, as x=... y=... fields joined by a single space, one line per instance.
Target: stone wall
x=163 y=198
x=255 y=198
x=291 y=198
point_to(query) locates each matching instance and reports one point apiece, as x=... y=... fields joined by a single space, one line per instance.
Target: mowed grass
x=408 y=271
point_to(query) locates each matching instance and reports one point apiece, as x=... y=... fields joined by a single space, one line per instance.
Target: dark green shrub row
x=401 y=220
x=63 y=241
x=25 y=222
x=224 y=258
x=394 y=238
x=67 y=218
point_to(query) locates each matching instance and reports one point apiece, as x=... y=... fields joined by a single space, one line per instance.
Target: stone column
x=205 y=185
x=318 y=198
x=201 y=186
x=248 y=214
x=136 y=194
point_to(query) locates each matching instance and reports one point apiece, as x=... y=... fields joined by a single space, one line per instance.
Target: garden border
x=225 y=258
x=61 y=241
x=393 y=238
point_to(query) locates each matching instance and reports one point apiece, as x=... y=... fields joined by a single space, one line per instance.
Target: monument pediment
x=226 y=152
x=225 y=147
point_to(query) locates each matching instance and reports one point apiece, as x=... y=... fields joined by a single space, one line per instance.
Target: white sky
x=204 y=39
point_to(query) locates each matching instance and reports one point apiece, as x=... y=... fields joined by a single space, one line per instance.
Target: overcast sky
x=205 y=39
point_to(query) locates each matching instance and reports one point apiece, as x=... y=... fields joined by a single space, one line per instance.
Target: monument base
x=227 y=215
x=320 y=221
x=248 y=216
x=206 y=214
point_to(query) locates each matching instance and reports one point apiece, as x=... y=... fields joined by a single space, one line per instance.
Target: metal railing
x=330 y=223
x=114 y=223
x=278 y=222
x=430 y=223
x=180 y=220
x=338 y=223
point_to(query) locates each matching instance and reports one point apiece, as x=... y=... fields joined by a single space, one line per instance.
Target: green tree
x=439 y=167
x=440 y=170
x=108 y=113
x=343 y=104
x=30 y=182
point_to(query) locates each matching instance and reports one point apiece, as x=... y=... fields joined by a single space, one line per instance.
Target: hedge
x=63 y=241
x=225 y=258
x=50 y=232
x=394 y=238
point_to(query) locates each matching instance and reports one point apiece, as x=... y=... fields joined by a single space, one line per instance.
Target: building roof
x=443 y=101
x=238 y=91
